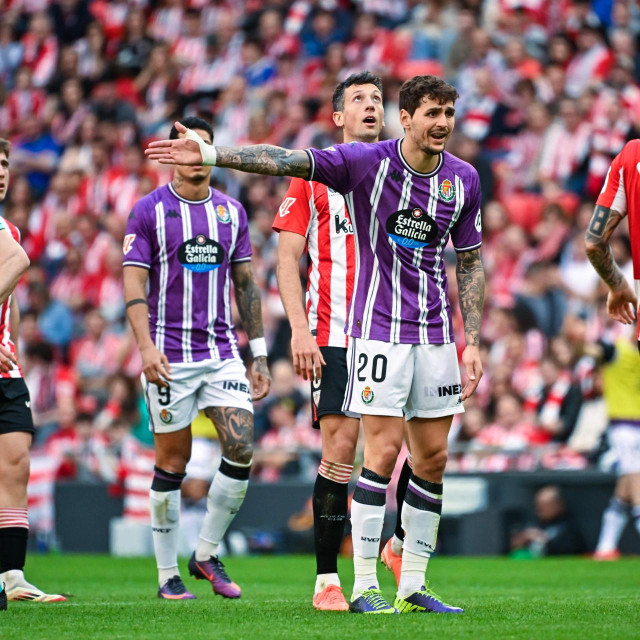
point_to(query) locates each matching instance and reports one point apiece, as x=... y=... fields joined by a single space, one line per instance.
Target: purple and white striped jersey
x=402 y=221
x=188 y=248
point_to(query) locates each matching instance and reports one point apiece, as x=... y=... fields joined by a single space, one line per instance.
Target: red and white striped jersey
x=621 y=191
x=318 y=213
x=5 y=311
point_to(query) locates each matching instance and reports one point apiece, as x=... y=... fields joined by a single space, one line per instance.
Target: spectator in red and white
x=108 y=292
x=96 y=243
x=591 y=63
x=97 y=355
x=565 y=146
x=167 y=20
x=274 y=39
x=24 y=100
x=190 y=48
x=367 y=45
x=519 y=170
x=112 y=15
x=52 y=386
x=92 y=53
x=71 y=285
x=135 y=46
x=480 y=106
x=611 y=129
x=95 y=187
x=40 y=47
x=71 y=112
x=158 y=86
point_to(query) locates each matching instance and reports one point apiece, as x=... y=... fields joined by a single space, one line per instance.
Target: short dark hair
x=192 y=122
x=5 y=147
x=414 y=90
x=365 y=77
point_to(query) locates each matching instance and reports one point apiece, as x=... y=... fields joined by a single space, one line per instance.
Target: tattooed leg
x=235 y=431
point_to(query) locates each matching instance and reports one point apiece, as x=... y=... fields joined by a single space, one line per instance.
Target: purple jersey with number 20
x=402 y=221
x=188 y=248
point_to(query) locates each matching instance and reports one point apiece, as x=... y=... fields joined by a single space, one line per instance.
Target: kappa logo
x=172 y=213
x=446 y=190
x=127 y=245
x=367 y=395
x=396 y=176
x=223 y=215
x=285 y=207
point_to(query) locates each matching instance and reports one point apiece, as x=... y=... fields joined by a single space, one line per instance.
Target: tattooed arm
x=470 y=277
x=621 y=301
x=250 y=309
x=260 y=158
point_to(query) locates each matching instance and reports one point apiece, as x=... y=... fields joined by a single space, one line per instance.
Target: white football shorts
x=195 y=386
x=624 y=439
x=417 y=380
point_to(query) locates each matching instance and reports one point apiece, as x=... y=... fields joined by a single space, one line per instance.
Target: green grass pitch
x=529 y=599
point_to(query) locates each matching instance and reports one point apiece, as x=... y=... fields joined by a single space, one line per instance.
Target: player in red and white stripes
x=314 y=219
x=16 y=423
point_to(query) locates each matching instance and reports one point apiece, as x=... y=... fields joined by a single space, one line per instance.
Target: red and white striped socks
x=10 y=517
x=335 y=471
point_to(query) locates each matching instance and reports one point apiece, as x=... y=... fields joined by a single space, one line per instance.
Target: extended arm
x=622 y=301
x=470 y=278
x=155 y=364
x=261 y=158
x=306 y=354
x=13 y=263
x=250 y=310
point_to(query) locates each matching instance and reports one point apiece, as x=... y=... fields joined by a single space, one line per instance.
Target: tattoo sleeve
x=235 y=431
x=596 y=239
x=265 y=159
x=470 y=277
x=248 y=299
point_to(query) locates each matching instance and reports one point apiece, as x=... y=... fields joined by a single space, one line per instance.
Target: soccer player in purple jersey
x=188 y=242
x=406 y=198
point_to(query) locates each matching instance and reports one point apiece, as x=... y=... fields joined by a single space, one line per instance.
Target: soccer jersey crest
x=223 y=215
x=446 y=190
x=166 y=416
x=367 y=395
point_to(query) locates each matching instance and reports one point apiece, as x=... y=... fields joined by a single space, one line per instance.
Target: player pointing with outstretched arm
x=406 y=198
x=189 y=242
x=620 y=196
x=16 y=422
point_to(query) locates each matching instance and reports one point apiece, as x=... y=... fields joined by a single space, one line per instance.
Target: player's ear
x=338 y=118
x=405 y=119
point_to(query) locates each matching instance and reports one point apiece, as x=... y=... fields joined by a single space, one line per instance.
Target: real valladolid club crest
x=166 y=416
x=367 y=395
x=222 y=213
x=446 y=190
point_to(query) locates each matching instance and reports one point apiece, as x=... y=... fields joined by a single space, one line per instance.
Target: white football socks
x=165 y=521
x=225 y=498
x=614 y=520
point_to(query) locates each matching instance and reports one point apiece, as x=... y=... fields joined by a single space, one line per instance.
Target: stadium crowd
x=549 y=94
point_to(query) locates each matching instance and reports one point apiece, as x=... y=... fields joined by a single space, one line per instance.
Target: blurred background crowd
x=549 y=95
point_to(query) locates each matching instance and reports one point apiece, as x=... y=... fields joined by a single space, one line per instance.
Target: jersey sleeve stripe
x=133 y=263
x=245 y=259
x=312 y=160
x=469 y=248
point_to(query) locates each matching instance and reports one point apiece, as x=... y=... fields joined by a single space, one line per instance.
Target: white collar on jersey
x=173 y=191
x=411 y=169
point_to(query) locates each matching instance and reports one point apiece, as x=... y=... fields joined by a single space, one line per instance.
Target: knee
x=242 y=453
x=174 y=461
x=431 y=466
x=383 y=459
x=16 y=468
x=341 y=449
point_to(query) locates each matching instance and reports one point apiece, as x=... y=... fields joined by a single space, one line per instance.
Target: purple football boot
x=174 y=589
x=213 y=571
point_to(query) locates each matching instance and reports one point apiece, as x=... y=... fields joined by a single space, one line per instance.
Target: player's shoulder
x=11 y=228
x=631 y=152
x=459 y=166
